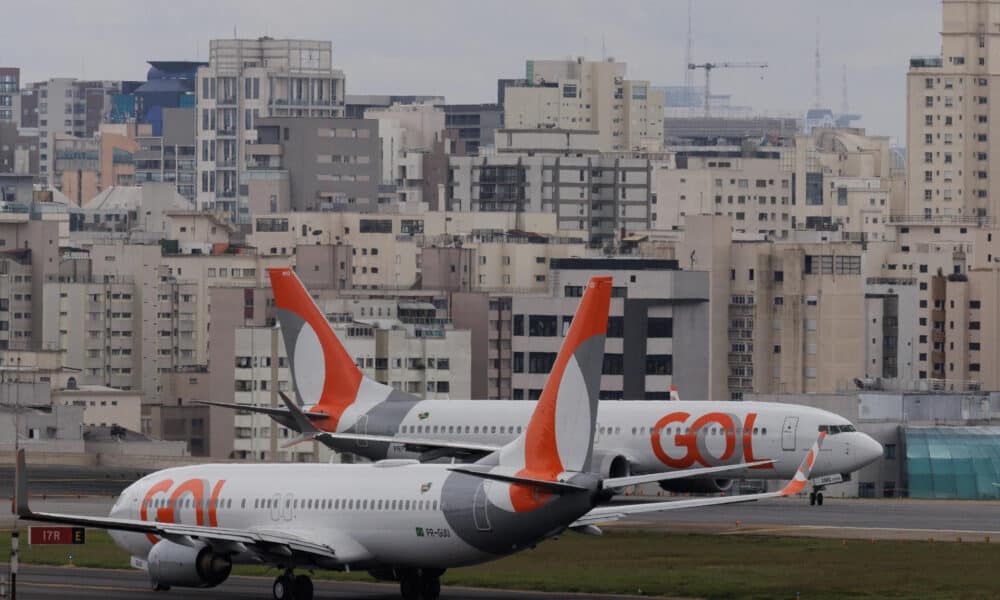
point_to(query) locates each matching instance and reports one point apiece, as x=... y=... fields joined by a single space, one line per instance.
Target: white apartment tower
x=588 y=95
x=950 y=109
x=246 y=80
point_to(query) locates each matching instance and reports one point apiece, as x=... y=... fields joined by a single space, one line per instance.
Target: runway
x=59 y=583
x=865 y=518
x=880 y=518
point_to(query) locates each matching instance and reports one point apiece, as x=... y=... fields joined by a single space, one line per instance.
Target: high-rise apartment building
x=10 y=86
x=951 y=150
x=588 y=95
x=244 y=81
x=67 y=107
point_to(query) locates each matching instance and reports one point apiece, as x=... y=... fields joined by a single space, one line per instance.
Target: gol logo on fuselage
x=196 y=493
x=693 y=439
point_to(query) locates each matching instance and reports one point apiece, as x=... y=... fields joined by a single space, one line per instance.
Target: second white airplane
x=350 y=412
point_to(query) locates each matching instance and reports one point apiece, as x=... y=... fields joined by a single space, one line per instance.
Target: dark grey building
x=332 y=164
x=657 y=328
x=475 y=124
x=18 y=152
x=170 y=157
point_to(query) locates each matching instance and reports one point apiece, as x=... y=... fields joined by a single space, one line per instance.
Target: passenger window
x=493 y=429
x=755 y=431
x=763 y=430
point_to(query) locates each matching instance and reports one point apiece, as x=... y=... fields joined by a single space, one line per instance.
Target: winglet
x=21 y=487
x=674 y=394
x=801 y=479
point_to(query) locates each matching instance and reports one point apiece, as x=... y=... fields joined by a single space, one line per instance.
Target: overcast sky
x=459 y=48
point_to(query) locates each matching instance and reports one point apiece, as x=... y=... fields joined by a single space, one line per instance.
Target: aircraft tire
x=410 y=586
x=283 y=588
x=302 y=588
x=430 y=587
x=819 y=499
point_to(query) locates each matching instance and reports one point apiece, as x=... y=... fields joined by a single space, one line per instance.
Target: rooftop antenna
x=844 y=109
x=689 y=58
x=604 y=49
x=819 y=88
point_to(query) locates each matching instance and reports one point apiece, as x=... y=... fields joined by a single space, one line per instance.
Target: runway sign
x=56 y=535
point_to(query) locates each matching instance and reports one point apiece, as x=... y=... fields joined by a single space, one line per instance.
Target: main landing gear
x=290 y=587
x=424 y=584
x=816 y=497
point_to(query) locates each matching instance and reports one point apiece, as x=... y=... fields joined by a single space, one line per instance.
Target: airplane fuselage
x=652 y=436
x=397 y=514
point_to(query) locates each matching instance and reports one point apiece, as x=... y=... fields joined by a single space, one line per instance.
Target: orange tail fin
x=559 y=436
x=325 y=374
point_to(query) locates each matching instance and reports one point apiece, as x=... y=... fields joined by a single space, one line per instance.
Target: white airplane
x=398 y=519
x=349 y=412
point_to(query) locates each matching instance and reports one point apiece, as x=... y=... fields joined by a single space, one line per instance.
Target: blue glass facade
x=953 y=462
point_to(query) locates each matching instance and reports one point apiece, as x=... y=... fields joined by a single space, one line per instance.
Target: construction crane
x=709 y=67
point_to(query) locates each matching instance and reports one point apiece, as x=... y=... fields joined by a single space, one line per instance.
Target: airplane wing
x=619 y=482
x=607 y=514
x=277 y=544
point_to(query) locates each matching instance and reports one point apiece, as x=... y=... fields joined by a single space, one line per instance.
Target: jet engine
x=697 y=486
x=608 y=465
x=187 y=566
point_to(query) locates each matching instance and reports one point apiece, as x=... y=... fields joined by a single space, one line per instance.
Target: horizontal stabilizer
x=558 y=487
x=412 y=444
x=262 y=410
x=618 y=482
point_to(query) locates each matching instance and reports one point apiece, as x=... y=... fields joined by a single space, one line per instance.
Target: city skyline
x=388 y=48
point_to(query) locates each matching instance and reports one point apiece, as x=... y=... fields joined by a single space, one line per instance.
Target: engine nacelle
x=607 y=464
x=697 y=486
x=172 y=564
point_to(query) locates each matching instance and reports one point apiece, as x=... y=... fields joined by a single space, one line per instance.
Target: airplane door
x=788 y=433
x=362 y=427
x=479 y=508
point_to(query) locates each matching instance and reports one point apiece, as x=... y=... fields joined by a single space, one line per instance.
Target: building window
x=542 y=326
x=659 y=327
x=541 y=362
x=659 y=364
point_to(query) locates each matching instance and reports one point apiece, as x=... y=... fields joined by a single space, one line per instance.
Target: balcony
x=926 y=62
x=919 y=219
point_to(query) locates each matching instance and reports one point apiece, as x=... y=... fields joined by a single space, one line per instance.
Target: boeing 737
x=399 y=519
x=350 y=412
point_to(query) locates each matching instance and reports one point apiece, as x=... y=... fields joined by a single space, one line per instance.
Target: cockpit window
x=835 y=429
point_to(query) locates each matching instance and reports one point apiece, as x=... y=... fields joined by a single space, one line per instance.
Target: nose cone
x=868 y=450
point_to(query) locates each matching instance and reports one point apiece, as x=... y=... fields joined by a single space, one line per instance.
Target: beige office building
x=591 y=95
